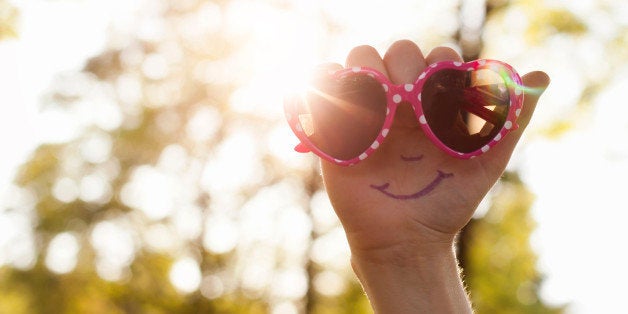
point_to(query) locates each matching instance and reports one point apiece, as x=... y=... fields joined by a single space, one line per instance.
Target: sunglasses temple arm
x=482 y=112
x=477 y=101
x=302 y=148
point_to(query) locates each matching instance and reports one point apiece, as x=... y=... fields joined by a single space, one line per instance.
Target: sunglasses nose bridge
x=407 y=93
x=403 y=102
x=403 y=93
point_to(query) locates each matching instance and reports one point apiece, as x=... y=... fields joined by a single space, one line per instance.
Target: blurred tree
x=161 y=168
x=500 y=264
x=494 y=250
x=8 y=20
x=148 y=178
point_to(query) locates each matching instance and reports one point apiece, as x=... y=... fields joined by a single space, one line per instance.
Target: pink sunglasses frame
x=411 y=93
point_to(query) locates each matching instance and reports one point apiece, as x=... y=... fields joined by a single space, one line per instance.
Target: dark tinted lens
x=465 y=109
x=343 y=118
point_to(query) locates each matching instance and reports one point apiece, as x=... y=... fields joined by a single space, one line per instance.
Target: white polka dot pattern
x=398 y=93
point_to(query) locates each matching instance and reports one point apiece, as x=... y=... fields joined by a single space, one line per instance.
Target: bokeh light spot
x=62 y=254
x=185 y=275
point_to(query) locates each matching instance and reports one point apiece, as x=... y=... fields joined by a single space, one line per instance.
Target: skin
x=402 y=247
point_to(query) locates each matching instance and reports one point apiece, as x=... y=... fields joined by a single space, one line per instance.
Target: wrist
x=425 y=281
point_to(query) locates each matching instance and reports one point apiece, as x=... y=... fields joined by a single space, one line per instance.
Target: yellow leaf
x=8 y=20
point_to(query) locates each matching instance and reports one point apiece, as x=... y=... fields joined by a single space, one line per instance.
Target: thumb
x=534 y=84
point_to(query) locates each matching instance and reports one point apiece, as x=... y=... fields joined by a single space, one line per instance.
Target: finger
x=366 y=56
x=404 y=61
x=535 y=84
x=442 y=54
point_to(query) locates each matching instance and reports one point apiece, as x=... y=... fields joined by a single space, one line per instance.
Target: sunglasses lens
x=343 y=117
x=465 y=109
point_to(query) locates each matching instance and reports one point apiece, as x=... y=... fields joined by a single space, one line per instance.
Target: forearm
x=431 y=283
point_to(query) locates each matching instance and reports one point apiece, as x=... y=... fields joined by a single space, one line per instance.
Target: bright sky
x=49 y=43
x=579 y=179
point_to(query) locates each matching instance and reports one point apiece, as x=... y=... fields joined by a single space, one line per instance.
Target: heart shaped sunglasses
x=463 y=108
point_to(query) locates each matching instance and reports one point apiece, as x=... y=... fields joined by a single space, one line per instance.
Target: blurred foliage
x=155 y=110
x=353 y=300
x=158 y=87
x=82 y=291
x=494 y=5
x=542 y=21
x=559 y=128
x=500 y=264
x=549 y=22
x=8 y=20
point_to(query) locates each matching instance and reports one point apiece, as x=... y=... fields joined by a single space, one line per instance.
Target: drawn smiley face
x=441 y=175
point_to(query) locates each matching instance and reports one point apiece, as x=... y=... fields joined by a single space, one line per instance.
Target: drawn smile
x=426 y=190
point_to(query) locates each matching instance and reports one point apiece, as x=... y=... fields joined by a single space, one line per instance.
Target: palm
x=425 y=191
x=408 y=191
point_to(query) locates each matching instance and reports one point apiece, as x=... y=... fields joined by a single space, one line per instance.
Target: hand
x=404 y=204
